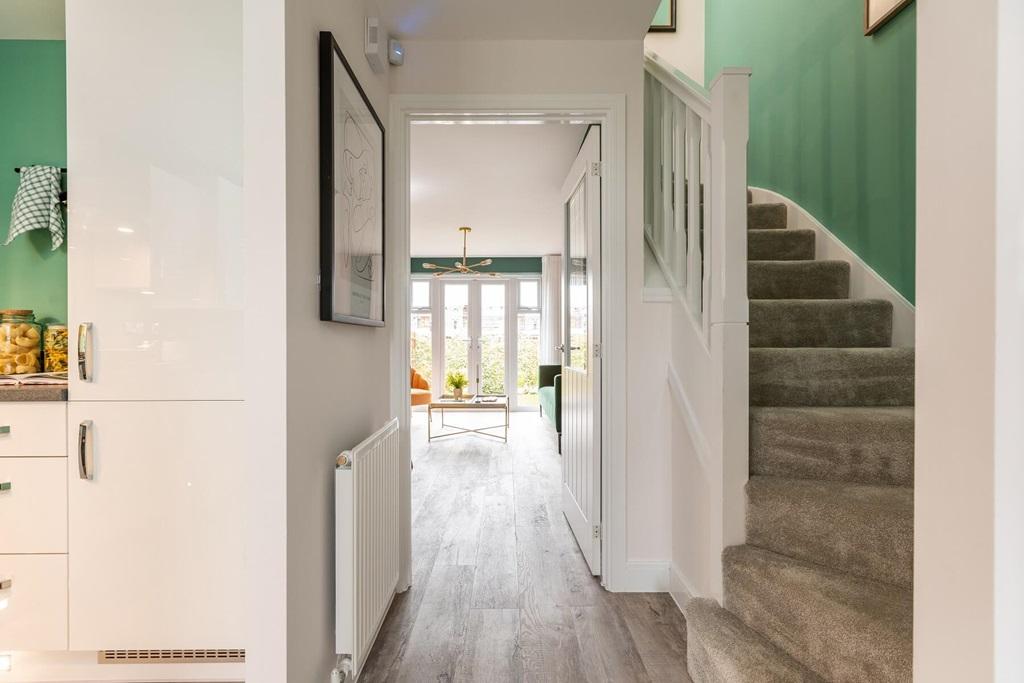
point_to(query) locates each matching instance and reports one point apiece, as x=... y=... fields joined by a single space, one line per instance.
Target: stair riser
x=766 y=217
x=780 y=245
x=859 y=445
x=798 y=280
x=831 y=377
x=834 y=324
x=866 y=531
x=841 y=628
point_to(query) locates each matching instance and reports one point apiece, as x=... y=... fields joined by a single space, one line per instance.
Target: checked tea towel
x=37 y=204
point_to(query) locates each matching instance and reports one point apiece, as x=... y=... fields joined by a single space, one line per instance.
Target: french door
x=487 y=329
x=581 y=364
x=476 y=333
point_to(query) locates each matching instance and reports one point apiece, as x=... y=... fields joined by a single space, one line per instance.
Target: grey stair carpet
x=780 y=245
x=822 y=589
x=841 y=627
x=766 y=216
x=856 y=445
x=798 y=279
x=832 y=377
x=723 y=648
x=835 y=524
x=838 y=323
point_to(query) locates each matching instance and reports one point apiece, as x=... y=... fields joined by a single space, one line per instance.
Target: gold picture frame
x=878 y=12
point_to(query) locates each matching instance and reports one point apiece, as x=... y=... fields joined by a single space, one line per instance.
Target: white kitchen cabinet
x=32 y=429
x=34 y=614
x=155 y=239
x=33 y=505
x=156 y=525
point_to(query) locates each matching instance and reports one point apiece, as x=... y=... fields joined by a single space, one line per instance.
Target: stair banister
x=696 y=228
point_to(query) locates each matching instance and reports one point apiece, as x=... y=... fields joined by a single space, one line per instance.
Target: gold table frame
x=473 y=403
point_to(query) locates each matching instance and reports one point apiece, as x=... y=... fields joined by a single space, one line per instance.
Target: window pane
x=421 y=353
x=492 y=339
x=529 y=294
x=421 y=294
x=456 y=330
x=528 y=355
x=579 y=322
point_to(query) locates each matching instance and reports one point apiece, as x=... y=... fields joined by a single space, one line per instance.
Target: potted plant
x=457 y=381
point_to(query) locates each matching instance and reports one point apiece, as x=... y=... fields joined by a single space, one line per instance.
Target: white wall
x=683 y=49
x=584 y=67
x=318 y=387
x=969 y=526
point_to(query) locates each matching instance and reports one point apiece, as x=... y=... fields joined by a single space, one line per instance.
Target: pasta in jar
x=21 y=342
x=55 y=348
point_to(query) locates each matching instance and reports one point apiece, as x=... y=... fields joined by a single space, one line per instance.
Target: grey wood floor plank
x=607 y=650
x=501 y=591
x=491 y=650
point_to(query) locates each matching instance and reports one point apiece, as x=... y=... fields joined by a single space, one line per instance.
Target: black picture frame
x=352 y=265
x=669 y=27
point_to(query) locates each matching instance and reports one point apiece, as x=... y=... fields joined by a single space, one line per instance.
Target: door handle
x=561 y=347
x=84 y=347
x=85 y=450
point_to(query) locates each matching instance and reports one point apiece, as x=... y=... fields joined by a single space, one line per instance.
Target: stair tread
x=832 y=377
x=865 y=530
x=823 y=279
x=820 y=323
x=720 y=647
x=839 y=626
x=873 y=445
x=780 y=245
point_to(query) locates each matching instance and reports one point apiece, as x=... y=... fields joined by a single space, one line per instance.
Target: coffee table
x=498 y=404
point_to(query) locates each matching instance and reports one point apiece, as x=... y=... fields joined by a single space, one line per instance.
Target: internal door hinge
x=597 y=531
x=595 y=169
x=597 y=350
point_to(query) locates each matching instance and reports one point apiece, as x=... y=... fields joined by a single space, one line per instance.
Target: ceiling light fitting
x=461 y=267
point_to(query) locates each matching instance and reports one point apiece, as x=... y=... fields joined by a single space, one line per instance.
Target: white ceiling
x=31 y=19
x=518 y=19
x=504 y=181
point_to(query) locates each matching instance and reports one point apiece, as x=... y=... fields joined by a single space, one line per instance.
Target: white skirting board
x=679 y=588
x=865 y=283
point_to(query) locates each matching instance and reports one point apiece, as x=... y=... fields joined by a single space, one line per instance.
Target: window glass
x=529 y=294
x=421 y=294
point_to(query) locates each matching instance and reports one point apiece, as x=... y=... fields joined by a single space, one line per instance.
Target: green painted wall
x=502 y=264
x=33 y=130
x=832 y=116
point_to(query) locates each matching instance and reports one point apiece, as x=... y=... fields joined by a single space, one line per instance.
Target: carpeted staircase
x=822 y=590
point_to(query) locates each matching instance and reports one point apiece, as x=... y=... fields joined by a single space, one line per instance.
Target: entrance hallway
x=500 y=590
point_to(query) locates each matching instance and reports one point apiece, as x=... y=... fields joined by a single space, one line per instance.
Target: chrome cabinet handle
x=5 y=429
x=5 y=486
x=84 y=451
x=84 y=330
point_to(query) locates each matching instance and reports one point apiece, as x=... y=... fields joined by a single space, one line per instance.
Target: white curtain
x=551 y=309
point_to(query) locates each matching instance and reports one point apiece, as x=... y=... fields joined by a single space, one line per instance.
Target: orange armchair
x=419 y=389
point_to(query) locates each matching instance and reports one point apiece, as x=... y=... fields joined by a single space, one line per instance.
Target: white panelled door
x=581 y=371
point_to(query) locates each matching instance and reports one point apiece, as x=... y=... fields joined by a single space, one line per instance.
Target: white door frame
x=610 y=112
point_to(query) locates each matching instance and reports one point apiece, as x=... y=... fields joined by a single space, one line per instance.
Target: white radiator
x=366 y=541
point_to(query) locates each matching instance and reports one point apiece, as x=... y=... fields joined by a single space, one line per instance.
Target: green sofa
x=549 y=393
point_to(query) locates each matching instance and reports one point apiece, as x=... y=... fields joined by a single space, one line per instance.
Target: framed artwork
x=878 y=12
x=351 y=195
x=664 y=18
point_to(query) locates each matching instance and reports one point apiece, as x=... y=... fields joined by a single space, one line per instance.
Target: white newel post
x=730 y=115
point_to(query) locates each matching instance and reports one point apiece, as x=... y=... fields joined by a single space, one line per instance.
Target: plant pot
x=457 y=393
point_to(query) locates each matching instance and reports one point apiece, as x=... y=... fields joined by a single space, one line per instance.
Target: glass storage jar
x=21 y=342
x=55 y=348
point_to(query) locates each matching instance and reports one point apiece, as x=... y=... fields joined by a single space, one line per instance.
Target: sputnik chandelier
x=461 y=267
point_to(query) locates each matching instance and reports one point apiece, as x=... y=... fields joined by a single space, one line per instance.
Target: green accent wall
x=502 y=264
x=832 y=116
x=33 y=130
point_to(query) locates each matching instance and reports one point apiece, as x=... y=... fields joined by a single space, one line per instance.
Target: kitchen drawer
x=36 y=615
x=33 y=429
x=33 y=505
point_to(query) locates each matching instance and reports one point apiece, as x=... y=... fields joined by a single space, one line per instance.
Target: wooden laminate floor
x=500 y=590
